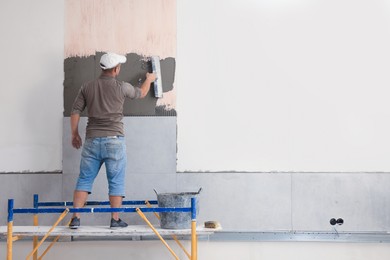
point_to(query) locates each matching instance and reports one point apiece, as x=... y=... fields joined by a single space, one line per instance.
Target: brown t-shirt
x=104 y=98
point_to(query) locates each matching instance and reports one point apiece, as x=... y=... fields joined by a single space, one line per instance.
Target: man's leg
x=115 y=161
x=79 y=199
x=115 y=202
x=89 y=168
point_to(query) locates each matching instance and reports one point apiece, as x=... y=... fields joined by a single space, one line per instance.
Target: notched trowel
x=158 y=90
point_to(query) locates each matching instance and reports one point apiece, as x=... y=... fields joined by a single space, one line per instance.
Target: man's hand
x=151 y=77
x=74 y=127
x=76 y=141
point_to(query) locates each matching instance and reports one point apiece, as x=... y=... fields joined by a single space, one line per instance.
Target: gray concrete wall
x=293 y=201
x=240 y=201
x=21 y=188
x=151 y=158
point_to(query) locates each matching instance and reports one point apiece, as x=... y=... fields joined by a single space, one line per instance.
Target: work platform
x=14 y=232
x=101 y=231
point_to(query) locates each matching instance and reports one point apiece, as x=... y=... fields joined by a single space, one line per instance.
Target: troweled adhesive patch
x=81 y=69
x=135 y=28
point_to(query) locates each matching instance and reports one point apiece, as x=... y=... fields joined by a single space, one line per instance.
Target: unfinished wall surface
x=210 y=122
x=137 y=29
x=144 y=28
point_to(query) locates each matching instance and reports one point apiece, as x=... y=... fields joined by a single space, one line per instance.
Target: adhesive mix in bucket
x=176 y=220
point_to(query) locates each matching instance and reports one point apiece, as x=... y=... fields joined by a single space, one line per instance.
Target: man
x=104 y=98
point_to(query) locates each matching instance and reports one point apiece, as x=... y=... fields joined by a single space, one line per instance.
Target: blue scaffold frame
x=62 y=207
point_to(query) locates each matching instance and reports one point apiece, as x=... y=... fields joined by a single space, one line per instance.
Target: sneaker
x=74 y=223
x=118 y=223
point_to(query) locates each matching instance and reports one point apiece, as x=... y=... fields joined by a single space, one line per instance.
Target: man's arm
x=74 y=126
x=150 y=77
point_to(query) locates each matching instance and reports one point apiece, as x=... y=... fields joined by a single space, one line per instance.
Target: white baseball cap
x=111 y=60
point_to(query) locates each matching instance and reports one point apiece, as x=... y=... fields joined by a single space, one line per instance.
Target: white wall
x=31 y=99
x=276 y=85
x=262 y=85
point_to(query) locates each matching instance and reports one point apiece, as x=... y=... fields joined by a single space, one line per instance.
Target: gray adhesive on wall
x=77 y=71
x=81 y=69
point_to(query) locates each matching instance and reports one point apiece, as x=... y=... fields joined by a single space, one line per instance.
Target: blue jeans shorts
x=108 y=150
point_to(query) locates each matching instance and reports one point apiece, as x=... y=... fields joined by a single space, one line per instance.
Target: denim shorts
x=108 y=150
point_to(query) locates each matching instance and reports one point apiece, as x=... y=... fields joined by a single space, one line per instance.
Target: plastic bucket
x=176 y=220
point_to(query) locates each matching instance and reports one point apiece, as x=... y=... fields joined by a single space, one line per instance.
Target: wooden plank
x=131 y=230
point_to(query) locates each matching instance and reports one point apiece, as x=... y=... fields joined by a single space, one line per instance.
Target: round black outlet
x=340 y=221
